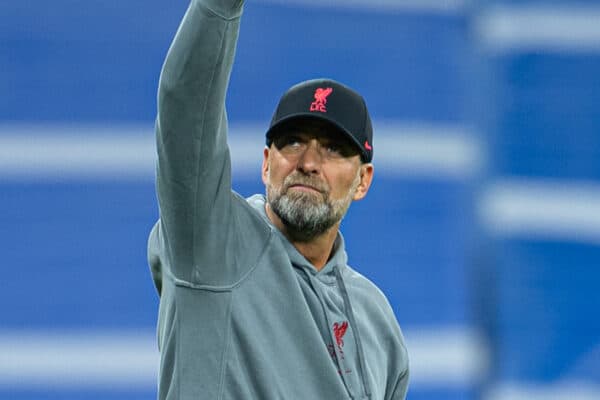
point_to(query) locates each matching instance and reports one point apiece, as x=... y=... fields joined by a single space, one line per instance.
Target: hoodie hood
x=337 y=260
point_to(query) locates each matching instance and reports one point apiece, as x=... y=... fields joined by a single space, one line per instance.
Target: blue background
x=73 y=252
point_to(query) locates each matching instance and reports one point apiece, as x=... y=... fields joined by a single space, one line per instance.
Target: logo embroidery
x=368 y=146
x=320 y=99
x=339 y=330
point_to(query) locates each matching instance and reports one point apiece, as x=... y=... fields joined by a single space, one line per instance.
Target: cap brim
x=275 y=129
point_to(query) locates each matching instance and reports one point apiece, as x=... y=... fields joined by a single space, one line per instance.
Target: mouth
x=304 y=188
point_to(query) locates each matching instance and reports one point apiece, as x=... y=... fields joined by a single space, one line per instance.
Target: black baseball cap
x=330 y=101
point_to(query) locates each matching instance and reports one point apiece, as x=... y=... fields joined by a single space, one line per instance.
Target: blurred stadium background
x=483 y=225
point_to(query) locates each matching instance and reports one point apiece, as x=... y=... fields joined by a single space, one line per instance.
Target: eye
x=334 y=148
x=339 y=149
x=287 y=142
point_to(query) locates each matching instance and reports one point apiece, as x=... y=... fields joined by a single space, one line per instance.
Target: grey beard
x=303 y=217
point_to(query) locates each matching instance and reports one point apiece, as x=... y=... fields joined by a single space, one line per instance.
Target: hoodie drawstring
x=350 y=314
x=339 y=356
x=359 y=347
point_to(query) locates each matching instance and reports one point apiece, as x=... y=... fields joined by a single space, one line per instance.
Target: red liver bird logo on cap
x=320 y=99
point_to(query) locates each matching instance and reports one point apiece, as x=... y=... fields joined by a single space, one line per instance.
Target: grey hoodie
x=243 y=315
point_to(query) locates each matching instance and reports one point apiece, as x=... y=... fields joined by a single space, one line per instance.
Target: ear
x=366 y=177
x=265 y=166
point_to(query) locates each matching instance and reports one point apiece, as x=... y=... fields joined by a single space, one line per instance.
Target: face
x=311 y=176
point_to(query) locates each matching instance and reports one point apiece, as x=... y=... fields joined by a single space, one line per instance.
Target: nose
x=311 y=158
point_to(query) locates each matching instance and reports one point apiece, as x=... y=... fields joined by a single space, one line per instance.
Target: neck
x=317 y=250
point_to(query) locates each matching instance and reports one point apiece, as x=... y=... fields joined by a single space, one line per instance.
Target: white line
x=128 y=152
x=427 y=150
x=446 y=357
x=438 y=358
x=65 y=154
x=543 y=209
x=421 y=6
x=525 y=28
x=571 y=390
x=73 y=360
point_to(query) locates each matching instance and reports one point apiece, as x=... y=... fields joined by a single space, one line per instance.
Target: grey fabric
x=243 y=315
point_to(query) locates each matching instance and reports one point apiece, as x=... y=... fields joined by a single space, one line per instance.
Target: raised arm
x=193 y=172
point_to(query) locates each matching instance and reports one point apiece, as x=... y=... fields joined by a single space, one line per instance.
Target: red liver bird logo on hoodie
x=320 y=99
x=339 y=330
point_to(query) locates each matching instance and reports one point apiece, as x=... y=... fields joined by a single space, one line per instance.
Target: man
x=256 y=298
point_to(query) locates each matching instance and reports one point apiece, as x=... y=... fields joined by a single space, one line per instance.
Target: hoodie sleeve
x=193 y=177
